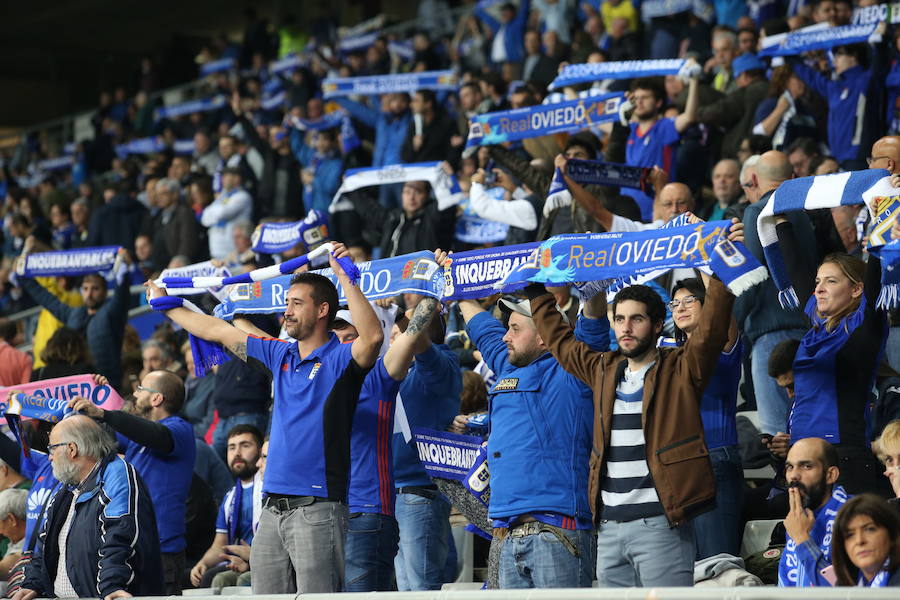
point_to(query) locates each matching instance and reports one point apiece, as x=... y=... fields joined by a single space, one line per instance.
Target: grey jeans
x=300 y=550
x=645 y=553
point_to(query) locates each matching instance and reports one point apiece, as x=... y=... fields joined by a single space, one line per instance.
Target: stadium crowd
x=611 y=430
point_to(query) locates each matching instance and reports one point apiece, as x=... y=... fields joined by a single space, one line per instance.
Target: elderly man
x=12 y=527
x=100 y=537
x=173 y=229
x=726 y=182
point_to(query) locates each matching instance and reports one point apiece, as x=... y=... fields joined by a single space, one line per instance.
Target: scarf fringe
x=206 y=355
x=889 y=298
x=746 y=281
x=787 y=298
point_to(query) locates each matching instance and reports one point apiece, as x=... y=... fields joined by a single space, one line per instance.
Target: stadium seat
x=757 y=535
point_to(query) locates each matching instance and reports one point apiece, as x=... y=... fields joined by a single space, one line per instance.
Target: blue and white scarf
x=217 y=66
x=558 y=195
x=875 y=14
x=609 y=256
x=445 y=187
x=273 y=101
x=68 y=263
x=357 y=42
x=822 y=191
x=285 y=268
x=287 y=64
x=39 y=407
x=374 y=85
x=147 y=145
x=272 y=238
x=626 y=69
x=56 y=164
x=472 y=274
x=332 y=120
x=472 y=229
x=415 y=273
x=881 y=579
x=543 y=119
x=184 y=146
x=798 y=42
x=233 y=507
x=206 y=354
x=404 y=51
x=590 y=172
x=201 y=269
x=187 y=108
x=790 y=571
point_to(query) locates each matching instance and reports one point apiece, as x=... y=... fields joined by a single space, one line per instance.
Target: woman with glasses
x=835 y=366
x=716 y=531
x=865 y=551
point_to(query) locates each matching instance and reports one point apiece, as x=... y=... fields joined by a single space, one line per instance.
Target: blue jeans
x=369 y=553
x=772 y=401
x=718 y=530
x=220 y=435
x=542 y=560
x=645 y=553
x=424 y=541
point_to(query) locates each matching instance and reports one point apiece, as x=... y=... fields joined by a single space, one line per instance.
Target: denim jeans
x=542 y=560
x=424 y=541
x=718 y=530
x=372 y=541
x=300 y=550
x=220 y=435
x=645 y=553
x=772 y=401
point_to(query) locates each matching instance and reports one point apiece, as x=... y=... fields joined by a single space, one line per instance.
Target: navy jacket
x=390 y=130
x=514 y=31
x=104 y=330
x=112 y=543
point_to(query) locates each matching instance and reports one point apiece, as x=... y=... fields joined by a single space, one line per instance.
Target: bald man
x=811 y=470
x=760 y=316
x=886 y=154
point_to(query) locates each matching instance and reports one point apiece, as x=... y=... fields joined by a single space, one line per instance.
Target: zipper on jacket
x=678 y=443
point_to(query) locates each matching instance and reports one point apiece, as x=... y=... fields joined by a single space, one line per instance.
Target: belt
x=425 y=491
x=284 y=503
x=525 y=529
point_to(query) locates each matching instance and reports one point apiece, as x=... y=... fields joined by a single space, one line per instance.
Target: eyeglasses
x=141 y=388
x=747 y=184
x=53 y=447
x=871 y=159
x=686 y=302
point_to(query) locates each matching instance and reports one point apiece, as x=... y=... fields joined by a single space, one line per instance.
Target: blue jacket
x=430 y=396
x=327 y=171
x=112 y=542
x=541 y=425
x=853 y=108
x=104 y=330
x=390 y=130
x=514 y=31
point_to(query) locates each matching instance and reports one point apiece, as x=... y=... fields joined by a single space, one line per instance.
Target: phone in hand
x=828 y=574
x=765 y=438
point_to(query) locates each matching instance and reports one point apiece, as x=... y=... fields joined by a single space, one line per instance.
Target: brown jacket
x=676 y=450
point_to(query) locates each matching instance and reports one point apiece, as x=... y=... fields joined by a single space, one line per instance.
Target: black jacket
x=427 y=229
x=113 y=542
x=116 y=223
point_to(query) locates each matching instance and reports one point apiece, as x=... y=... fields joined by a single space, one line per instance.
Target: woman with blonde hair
x=834 y=370
x=887 y=448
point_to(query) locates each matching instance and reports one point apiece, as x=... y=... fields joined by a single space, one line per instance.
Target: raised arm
x=586 y=199
x=800 y=270
x=40 y=295
x=687 y=118
x=575 y=357
x=365 y=347
x=414 y=340
x=364 y=114
x=204 y=326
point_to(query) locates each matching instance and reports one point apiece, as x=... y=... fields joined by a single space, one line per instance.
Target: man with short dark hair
x=801 y=153
x=299 y=545
x=429 y=133
x=240 y=510
x=160 y=445
x=100 y=537
x=650 y=471
x=812 y=471
x=102 y=320
x=508 y=31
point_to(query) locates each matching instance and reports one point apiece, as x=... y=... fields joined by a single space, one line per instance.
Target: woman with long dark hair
x=65 y=354
x=866 y=545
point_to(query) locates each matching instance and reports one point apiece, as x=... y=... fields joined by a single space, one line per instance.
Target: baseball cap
x=746 y=62
x=342 y=319
x=511 y=304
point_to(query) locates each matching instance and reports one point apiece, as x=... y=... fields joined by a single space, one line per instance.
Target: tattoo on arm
x=239 y=349
x=421 y=316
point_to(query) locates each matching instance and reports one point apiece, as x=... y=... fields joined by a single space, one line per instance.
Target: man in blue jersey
x=299 y=544
x=539 y=447
x=161 y=447
x=430 y=395
x=852 y=96
x=653 y=139
x=240 y=510
x=372 y=534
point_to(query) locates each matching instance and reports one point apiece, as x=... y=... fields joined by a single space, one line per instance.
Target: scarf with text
x=68 y=263
x=186 y=108
x=798 y=42
x=373 y=85
x=606 y=257
x=272 y=238
x=201 y=269
x=625 y=69
x=791 y=572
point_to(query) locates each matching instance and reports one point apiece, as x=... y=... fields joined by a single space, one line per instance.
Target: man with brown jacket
x=649 y=469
